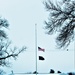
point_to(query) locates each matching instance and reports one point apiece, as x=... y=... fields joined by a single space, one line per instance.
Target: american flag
x=41 y=49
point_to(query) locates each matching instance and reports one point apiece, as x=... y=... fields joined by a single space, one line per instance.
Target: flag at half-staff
x=41 y=49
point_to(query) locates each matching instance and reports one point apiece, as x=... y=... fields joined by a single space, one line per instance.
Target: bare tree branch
x=6 y=50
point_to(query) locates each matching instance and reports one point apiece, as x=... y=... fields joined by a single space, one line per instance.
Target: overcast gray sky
x=22 y=16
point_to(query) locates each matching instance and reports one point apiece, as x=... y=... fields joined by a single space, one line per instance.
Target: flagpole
x=36 y=46
x=74 y=47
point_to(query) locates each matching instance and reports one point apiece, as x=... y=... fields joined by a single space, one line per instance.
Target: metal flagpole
x=74 y=49
x=36 y=46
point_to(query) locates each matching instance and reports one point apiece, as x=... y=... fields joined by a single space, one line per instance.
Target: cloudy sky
x=22 y=16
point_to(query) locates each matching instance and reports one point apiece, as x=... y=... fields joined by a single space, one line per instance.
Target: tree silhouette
x=61 y=20
x=35 y=72
x=58 y=72
x=71 y=73
x=52 y=71
x=6 y=51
